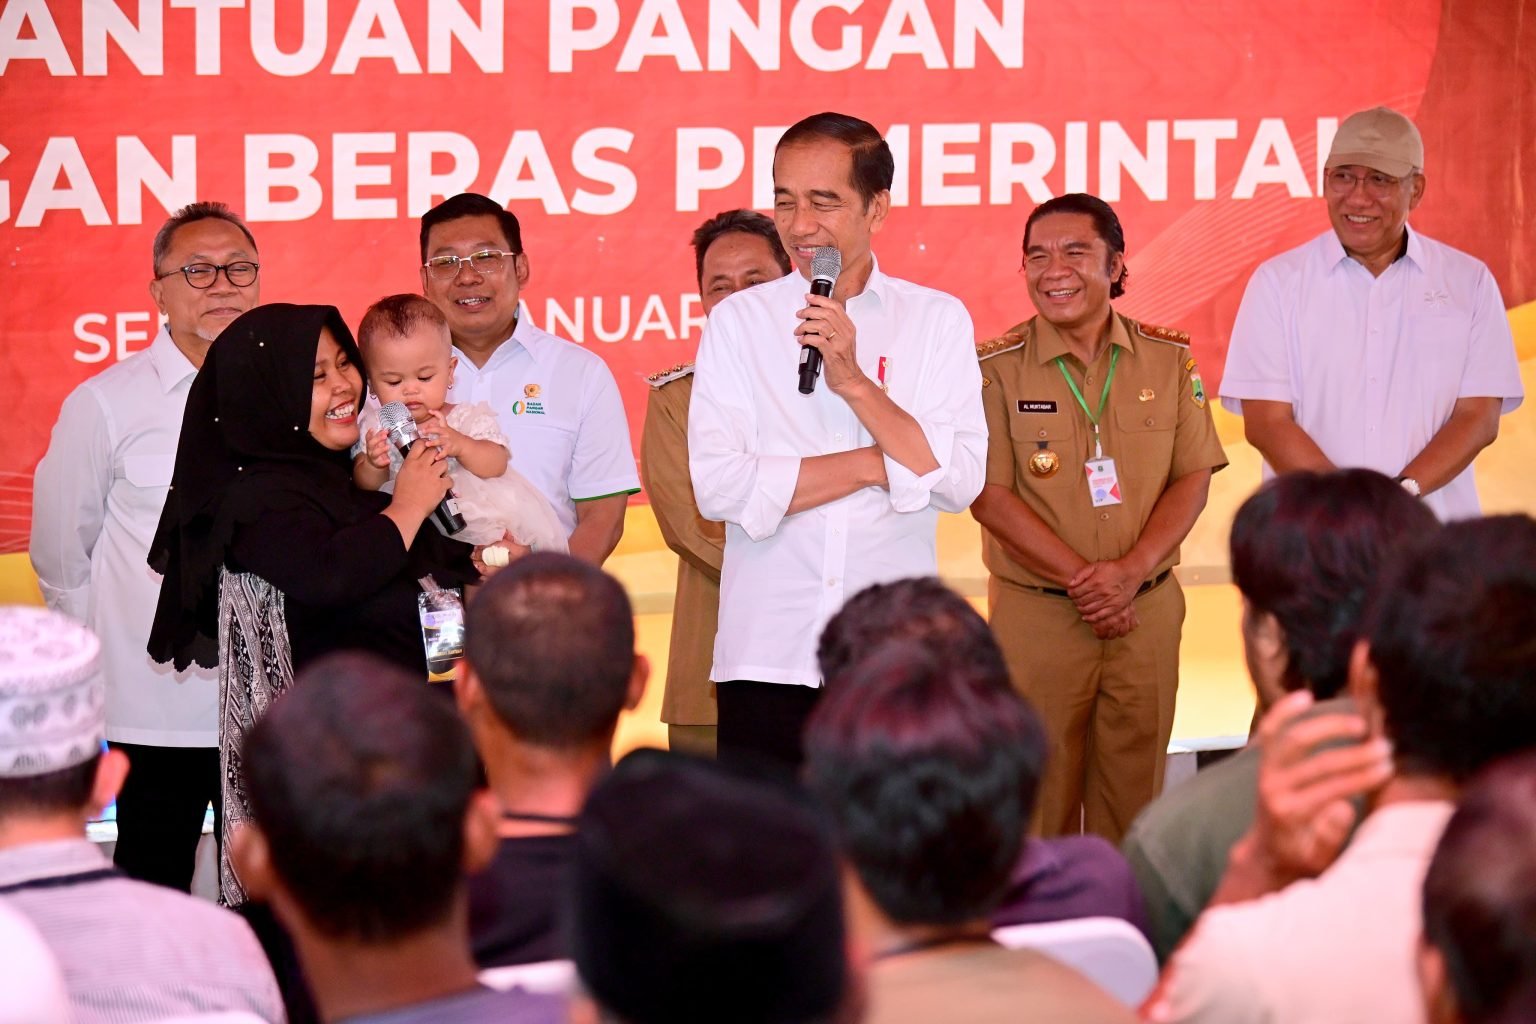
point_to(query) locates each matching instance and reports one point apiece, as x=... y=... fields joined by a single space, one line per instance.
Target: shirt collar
x=524 y=336
x=1334 y=254
x=171 y=364
x=49 y=860
x=1049 y=344
x=877 y=287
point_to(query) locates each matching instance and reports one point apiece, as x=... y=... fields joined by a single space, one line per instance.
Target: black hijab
x=245 y=450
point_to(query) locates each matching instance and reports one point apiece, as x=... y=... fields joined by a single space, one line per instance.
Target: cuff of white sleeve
x=776 y=479
x=73 y=602
x=913 y=493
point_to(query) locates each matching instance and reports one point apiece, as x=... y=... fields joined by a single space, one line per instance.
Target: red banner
x=612 y=128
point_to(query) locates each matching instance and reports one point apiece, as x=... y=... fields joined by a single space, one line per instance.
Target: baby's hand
x=378 y=449
x=443 y=437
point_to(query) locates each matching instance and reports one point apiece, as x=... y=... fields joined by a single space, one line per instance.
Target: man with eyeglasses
x=1372 y=345
x=558 y=403
x=96 y=501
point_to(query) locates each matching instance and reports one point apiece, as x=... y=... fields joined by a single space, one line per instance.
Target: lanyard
x=1093 y=417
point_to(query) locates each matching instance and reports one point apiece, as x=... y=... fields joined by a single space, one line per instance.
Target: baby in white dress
x=409 y=356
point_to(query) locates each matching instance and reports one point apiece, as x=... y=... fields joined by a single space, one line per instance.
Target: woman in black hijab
x=271 y=556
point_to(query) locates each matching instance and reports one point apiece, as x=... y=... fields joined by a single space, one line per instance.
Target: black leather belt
x=1146 y=586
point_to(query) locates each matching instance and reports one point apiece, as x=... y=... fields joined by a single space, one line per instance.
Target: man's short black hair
x=1452 y=633
x=1106 y=224
x=65 y=791
x=733 y=222
x=360 y=778
x=1480 y=895
x=920 y=609
x=471 y=204
x=930 y=770
x=873 y=166
x=552 y=640
x=1307 y=548
x=190 y=214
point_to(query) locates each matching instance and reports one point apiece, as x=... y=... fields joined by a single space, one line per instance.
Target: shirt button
x=1149 y=421
x=1103 y=515
x=1042 y=433
x=1088 y=380
x=832 y=582
x=837 y=437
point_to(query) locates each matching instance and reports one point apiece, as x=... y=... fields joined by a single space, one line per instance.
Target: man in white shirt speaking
x=96 y=501
x=824 y=494
x=1371 y=345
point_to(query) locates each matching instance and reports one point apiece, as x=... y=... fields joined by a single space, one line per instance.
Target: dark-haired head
x=396 y=316
x=1479 y=955
x=930 y=770
x=550 y=641
x=1451 y=658
x=360 y=780
x=873 y=166
x=191 y=214
x=61 y=793
x=920 y=609
x=736 y=222
x=1106 y=224
x=471 y=204
x=1306 y=550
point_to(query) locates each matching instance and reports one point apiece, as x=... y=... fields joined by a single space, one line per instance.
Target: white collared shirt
x=1372 y=366
x=749 y=427
x=1335 y=948
x=96 y=502
x=560 y=409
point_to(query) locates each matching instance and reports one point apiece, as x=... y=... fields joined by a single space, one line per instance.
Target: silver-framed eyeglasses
x=1342 y=182
x=485 y=262
x=241 y=273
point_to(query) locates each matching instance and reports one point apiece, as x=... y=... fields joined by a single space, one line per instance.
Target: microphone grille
x=395 y=418
x=826 y=262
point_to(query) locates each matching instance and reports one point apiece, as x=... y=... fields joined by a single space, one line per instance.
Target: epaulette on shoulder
x=1005 y=343
x=1167 y=335
x=661 y=377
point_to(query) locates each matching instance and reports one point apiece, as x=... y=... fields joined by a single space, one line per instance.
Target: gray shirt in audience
x=131 y=951
x=477 y=1006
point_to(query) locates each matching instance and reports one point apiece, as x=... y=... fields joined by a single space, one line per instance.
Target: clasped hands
x=1104 y=593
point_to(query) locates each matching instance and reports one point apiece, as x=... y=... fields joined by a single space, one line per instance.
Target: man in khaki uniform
x=1100 y=455
x=732 y=250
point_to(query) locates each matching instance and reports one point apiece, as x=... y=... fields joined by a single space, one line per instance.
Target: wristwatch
x=1410 y=485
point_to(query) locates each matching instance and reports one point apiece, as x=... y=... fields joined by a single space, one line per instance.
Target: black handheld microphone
x=826 y=264
x=395 y=420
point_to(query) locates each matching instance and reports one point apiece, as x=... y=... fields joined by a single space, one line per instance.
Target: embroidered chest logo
x=1437 y=298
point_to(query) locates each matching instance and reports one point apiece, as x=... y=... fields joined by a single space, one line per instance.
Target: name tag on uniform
x=1039 y=406
x=1103 y=482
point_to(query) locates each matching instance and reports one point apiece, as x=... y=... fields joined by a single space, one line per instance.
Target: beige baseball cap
x=1379 y=138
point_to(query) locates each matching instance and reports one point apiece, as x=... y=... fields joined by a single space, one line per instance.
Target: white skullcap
x=52 y=699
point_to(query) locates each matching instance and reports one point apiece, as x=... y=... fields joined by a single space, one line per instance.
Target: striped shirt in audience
x=131 y=951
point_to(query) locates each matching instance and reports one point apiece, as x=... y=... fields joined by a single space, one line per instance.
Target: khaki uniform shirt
x=699 y=543
x=1155 y=425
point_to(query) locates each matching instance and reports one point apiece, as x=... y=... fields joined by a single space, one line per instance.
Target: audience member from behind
x=365 y=823
x=733 y=251
x=129 y=951
x=1306 y=549
x=1053 y=879
x=1477 y=961
x=1443 y=678
x=549 y=662
x=929 y=769
x=703 y=894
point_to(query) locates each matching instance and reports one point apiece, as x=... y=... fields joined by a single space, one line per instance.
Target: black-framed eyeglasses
x=240 y=273
x=485 y=262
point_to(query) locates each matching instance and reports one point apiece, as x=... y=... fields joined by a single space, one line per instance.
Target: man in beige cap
x=129 y=951
x=1372 y=345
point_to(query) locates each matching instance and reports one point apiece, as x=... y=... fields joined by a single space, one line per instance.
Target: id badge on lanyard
x=1103 y=479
